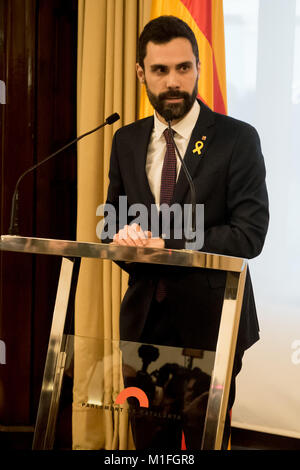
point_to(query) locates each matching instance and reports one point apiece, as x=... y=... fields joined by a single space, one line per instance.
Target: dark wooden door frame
x=38 y=62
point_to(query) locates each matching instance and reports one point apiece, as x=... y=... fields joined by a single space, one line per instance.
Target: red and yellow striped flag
x=205 y=18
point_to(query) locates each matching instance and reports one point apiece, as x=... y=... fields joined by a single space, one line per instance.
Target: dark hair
x=162 y=30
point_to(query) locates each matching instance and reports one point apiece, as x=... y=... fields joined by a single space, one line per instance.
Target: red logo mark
x=133 y=392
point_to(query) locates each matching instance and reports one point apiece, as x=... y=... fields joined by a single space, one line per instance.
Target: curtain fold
x=106 y=83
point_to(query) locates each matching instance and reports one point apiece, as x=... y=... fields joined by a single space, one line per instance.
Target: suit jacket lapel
x=202 y=132
x=140 y=151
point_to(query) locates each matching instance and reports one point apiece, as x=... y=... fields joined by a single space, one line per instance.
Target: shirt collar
x=184 y=127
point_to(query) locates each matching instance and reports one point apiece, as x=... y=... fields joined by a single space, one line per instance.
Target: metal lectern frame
x=71 y=253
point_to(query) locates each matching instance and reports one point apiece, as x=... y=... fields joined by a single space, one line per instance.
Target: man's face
x=171 y=77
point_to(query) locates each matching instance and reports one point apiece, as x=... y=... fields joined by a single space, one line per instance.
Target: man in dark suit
x=229 y=178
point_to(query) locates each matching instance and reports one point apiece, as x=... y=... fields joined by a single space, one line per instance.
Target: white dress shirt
x=157 y=147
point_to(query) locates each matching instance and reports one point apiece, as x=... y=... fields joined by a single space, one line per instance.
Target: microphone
x=14 y=225
x=168 y=115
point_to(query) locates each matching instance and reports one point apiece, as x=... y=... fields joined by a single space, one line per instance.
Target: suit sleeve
x=247 y=215
x=247 y=202
x=115 y=190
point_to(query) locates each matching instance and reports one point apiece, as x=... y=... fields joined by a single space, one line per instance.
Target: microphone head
x=112 y=118
x=167 y=115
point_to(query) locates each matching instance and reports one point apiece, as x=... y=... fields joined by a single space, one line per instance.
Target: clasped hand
x=133 y=235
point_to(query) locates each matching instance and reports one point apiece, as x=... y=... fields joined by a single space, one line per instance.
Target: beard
x=170 y=111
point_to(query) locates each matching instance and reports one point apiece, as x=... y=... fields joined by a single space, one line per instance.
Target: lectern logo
x=142 y=398
x=133 y=392
x=2 y=92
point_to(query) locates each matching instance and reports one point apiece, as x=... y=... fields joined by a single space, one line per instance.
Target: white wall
x=262 y=40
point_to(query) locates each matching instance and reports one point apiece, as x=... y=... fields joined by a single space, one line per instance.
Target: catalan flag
x=205 y=18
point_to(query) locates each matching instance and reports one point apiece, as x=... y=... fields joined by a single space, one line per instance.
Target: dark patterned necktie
x=168 y=182
x=168 y=174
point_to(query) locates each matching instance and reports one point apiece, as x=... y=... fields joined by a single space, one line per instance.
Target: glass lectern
x=175 y=392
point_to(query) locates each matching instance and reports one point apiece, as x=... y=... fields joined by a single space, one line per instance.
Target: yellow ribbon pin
x=198 y=146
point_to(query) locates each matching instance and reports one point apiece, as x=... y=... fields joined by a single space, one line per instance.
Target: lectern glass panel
x=130 y=395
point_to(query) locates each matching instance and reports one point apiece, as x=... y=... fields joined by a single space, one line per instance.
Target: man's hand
x=133 y=235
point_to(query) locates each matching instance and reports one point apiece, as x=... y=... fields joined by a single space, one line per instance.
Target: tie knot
x=167 y=135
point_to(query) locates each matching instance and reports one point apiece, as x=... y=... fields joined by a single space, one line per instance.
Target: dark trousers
x=153 y=432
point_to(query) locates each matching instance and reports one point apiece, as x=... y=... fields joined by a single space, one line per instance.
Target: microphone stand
x=13 y=227
x=189 y=178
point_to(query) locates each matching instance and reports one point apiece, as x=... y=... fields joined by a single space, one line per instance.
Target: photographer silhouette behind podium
x=177 y=401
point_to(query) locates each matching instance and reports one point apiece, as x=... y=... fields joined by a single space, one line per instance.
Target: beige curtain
x=107 y=38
